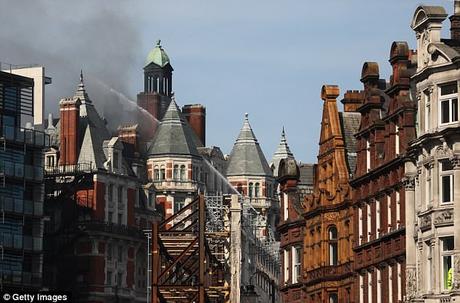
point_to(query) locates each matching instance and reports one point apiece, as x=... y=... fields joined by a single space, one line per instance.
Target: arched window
x=256 y=190
x=250 y=189
x=333 y=253
x=182 y=172
x=156 y=173
x=162 y=172
x=176 y=172
x=333 y=298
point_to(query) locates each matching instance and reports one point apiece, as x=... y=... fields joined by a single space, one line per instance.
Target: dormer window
x=448 y=102
x=156 y=173
x=162 y=172
x=176 y=172
x=182 y=172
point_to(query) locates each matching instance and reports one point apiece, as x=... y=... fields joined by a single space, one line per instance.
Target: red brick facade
x=387 y=125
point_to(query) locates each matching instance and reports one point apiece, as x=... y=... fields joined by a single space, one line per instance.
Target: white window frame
x=450 y=99
x=361 y=288
x=369 y=221
x=398 y=208
x=427 y=96
x=397 y=140
x=368 y=155
x=390 y=283
x=369 y=287
x=389 y=213
x=428 y=186
x=286 y=266
x=377 y=218
x=442 y=174
x=286 y=206
x=446 y=254
x=360 y=226
x=399 y=269
x=379 y=285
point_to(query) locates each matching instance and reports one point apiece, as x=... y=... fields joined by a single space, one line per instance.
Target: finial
x=81 y=76
x=158 y=43
x=246 y=115
x=282 y=132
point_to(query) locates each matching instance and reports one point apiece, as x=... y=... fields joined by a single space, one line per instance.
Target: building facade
x=387 y=127
x=21 y=188
x=328 y=256
x=432 y=203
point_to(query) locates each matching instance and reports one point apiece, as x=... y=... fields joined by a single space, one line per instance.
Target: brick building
x=328 y=257
x=387 y=126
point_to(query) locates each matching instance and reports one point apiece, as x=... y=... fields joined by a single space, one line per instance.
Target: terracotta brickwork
x=196 y=117
x=328 y=257
x=70 y=116
x=387 y=125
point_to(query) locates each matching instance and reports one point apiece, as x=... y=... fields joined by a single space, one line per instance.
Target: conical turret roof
x=174 y=135
x=282 y=152
x=247 y=158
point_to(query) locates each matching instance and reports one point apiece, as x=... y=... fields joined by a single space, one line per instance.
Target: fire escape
x=189 y=253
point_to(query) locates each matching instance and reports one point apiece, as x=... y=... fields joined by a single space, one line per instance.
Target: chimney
x=196 y=117
x=70 y=116
x=352 y=100
x=455 y=22
x=129 y=134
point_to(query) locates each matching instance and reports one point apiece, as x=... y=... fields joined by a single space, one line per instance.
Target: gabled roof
x=282 y=152
x=174 y=136
x=247 y=158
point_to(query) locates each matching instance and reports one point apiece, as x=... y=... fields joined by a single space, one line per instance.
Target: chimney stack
x=455 y=22
x=70 y=116
x=196 y=117
x=352 y=100
x=129 y=134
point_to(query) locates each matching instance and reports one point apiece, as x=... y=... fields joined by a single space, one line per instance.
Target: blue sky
x=267 y=58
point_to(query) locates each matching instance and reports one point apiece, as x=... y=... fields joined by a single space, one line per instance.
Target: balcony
x=325 y=273
x=21 y=206
x=179 y=185
x=26 y=136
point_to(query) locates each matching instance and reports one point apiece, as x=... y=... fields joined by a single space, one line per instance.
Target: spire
x=81 y=91
x=247 y=158
x=283 y=150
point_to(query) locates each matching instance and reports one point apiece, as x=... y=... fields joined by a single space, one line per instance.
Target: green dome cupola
x=157 y=56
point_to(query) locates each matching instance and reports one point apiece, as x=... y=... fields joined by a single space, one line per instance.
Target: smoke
x=66 y=36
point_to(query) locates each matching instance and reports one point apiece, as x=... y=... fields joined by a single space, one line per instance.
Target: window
x=390 y=282
x=427 y=110
x=449 y=103
x=369 y=282
x=49 y=161
x=156 y=173
x=399 y=288
x=162 y=172
x=109 y=252
x=428 y=192
x=120 y=279
x=447 y=182
x=429 y=267
x=182 y=172
x=447 y=262
x=115 y=159
x=398 y=209
x=250 y=189
x=176 y=172
x=361 y=289
x=286 y=205
x=178 y=204
x=333 y=243
x=110 y=193
x=333 y=298
x=286 y=265
x=110 y=217
x=120 y=194
x=297 y=264
x=360 y=227
x=256 y=190
x=120 y=253
x=377 y=217
x=120 y=218
x=379 y=285
x=389 y=213
x=397 y=141
x=369 y=221
x=109 y=277
x=368 y=155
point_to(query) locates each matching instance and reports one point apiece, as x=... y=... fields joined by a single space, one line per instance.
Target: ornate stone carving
x=444 y=217
x=409 y=183
x=456 y=285
x=425 y=222
x=411 y=283
x=455 y=161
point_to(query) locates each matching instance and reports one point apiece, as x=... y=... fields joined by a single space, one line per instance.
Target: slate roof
x=349 y=123
x=247 y=158
x=282 y=152
x=174 y=136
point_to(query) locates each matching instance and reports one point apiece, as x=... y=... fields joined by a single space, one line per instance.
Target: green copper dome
x=157 y=56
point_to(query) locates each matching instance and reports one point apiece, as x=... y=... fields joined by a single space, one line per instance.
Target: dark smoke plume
x=66 y=36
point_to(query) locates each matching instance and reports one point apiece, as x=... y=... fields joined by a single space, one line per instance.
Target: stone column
x=235 y=249
x=411 y=248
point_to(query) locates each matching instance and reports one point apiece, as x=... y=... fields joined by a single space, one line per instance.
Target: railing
x=21 y=170
x=110 y=228
x=70 y=169
x=329 y=272
x=25 y=136
x=177 y=184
